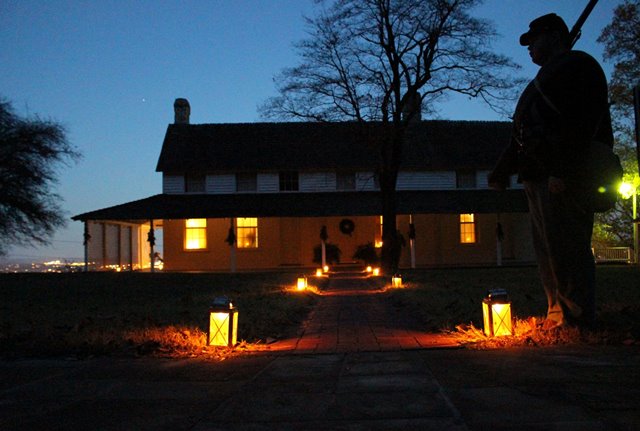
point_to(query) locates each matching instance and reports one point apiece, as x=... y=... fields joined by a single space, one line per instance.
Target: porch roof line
x=170 y=206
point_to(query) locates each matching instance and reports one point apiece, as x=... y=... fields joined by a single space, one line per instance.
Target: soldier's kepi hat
x=548 y=22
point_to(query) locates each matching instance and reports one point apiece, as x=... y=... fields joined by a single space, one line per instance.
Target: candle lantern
x=325 y=268
x=369 y=268
x=376 y=272
x=223 y=323
x=319 y=272
x=302 y=283
x=396 y=280
x=496 y=311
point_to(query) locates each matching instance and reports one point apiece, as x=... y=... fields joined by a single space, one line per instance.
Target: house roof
x=343 y=145
x=165 y=206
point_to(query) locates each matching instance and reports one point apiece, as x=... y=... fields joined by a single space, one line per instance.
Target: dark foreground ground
x=552 y=388
x=357 y=363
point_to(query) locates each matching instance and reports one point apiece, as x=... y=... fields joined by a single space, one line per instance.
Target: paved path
x=353 y=315
x=362 y=380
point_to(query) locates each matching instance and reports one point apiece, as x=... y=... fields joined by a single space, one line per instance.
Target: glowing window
x=467 y=229
x=195 y=234
x=247 y=232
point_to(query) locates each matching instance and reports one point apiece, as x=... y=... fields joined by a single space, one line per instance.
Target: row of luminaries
x=223 y=316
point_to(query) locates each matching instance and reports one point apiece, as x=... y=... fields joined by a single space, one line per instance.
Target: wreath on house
x=347 y=226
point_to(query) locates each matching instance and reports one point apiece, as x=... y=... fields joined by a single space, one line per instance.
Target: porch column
x=412 y=241
x=119 y=242
x=131 y=248
x=151 y=238
x=232 y=241
x=323 y=243
x=85 y=242
x=104 y=245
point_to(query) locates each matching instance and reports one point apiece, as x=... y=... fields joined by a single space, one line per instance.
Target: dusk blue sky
x=109 y=71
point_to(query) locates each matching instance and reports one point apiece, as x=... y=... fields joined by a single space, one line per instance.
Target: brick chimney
x=182 y=110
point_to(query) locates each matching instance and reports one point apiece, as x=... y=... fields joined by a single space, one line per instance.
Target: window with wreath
x=467 y=229
x=195 y=234
x=247 y=232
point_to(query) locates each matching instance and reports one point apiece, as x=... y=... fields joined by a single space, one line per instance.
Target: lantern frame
x=496 y=313
x=223 y=324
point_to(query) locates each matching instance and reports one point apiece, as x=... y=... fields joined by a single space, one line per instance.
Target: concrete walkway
x=344 y=372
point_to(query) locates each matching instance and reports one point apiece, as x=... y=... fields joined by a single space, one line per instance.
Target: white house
x=275 y=185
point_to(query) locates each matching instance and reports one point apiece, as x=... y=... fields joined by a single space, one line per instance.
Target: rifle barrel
x=574 y=34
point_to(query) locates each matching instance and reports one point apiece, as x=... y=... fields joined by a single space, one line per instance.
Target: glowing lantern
x=223 y=323
x=369 y=268
x=302 y=283
x=396 y=280
x=325 y=268
x=376 y=272
x=319 y=272
x=496 y=311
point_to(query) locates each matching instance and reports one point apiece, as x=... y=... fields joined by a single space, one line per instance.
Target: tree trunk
x=391 y=153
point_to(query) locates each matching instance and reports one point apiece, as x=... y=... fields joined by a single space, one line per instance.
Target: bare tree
x=384 y=62
x=30 y=152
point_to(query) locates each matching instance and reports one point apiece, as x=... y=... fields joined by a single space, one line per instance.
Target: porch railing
x=613 y=254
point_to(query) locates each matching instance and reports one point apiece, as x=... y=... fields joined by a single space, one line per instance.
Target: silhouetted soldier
x=559 y=113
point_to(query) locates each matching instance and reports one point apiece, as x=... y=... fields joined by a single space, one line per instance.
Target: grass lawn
x=140 y=313
x=451 y=300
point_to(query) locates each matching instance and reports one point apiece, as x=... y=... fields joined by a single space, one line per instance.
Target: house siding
x=439 y=180
x=268 y=182
x=221 y=184
x=172 y=184
x=317 y=182
x=313 y=182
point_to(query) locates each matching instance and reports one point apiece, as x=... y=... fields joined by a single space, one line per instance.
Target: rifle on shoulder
x=576 y=30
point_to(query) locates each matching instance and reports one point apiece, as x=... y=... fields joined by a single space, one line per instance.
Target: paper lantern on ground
x=319 y=272
x=369 y=268
x=302 y=283
x=223 y=323
x=376 y=272
x=396 y=280
x=496 y=311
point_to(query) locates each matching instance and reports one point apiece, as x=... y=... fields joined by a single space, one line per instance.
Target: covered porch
x=125 y=237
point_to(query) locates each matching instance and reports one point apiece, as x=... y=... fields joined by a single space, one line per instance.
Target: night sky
x=109 y=71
